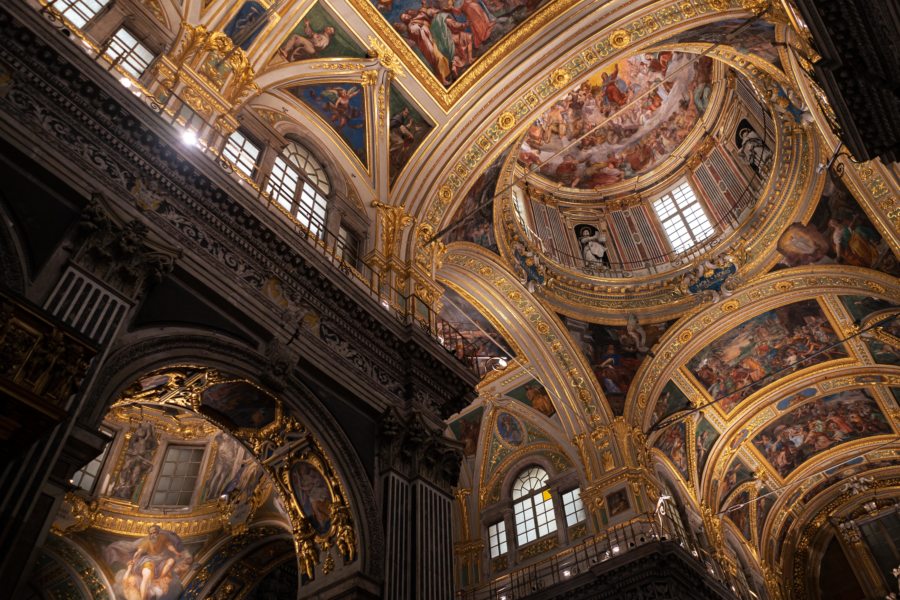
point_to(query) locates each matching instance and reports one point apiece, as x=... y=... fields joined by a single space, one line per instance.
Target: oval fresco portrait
x=313 y=494
x=241 y=403
x=509 y=429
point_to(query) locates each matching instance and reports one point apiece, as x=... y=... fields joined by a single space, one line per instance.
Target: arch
x=146 y=351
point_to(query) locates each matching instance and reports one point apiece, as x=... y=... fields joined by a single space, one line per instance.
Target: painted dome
x=619 y=123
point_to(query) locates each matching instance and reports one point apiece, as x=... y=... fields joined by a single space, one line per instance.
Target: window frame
x=162 y=474
x=572 y=498
x=237 y=160
x=497 y=533
x=305 y=201
x=99 y=460
x=534 y=509
x=132 y=57
x=693 y=224
x=76 y=8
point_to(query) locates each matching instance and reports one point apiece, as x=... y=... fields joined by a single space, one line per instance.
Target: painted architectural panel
x=790 y=337
x=408 y=128
x=317 y=35
x=819 y=425
x=448 y=37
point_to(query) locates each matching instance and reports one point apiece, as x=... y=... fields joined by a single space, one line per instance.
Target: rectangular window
x=178 y=476
x=348 y=247
x=79 y=12
x=525 y=527
x=242 y=153
x=311 y=211
x=282 y=184
x=573 y=507
x=86 y=476
x=129 y=53
x=497 y=539
x=683 y=218
x=543 y=511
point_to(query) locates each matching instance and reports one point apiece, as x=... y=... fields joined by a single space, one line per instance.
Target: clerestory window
x=533 y=505
x=497 y=539
x=298 y=183
x=242 y=153
x=79 y=12
x=129 y=53
x=683 y=218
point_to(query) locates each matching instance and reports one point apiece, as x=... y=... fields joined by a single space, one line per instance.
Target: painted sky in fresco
x=342 y=107
x=638 y=138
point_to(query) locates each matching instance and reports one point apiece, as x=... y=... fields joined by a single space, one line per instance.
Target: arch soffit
x=703 y=325
x=538 y=332
x=135 y=358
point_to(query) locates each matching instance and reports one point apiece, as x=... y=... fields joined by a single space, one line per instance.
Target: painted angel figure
x=337 y=101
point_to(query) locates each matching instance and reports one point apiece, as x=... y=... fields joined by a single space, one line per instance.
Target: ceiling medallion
x=619 y=39
x=560 y=78
x=507 y=121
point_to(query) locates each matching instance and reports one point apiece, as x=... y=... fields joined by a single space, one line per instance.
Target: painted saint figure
x=154 y=565
x=298 y=47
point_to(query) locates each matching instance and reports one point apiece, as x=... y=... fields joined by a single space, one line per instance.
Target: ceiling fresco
x=318 y=34
x=838 y=232
x=818 y=425
x=408 y=128
x=474 y=219
x=790 y=337
x=647 y=123
x=757 y=38
x=614 y=353
x=342 y=107
x=449 y=36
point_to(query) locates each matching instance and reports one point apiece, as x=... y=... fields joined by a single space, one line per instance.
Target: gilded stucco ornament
x=393 y=221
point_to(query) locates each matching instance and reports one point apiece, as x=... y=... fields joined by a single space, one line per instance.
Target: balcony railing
x=207 y=140
x=592 y=553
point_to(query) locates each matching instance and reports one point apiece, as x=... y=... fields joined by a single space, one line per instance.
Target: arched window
x=533 y=505
x=298 y=183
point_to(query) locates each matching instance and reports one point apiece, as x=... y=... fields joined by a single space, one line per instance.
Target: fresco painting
x=638 y=139
x=534 y=395
x=705 y=438
x=408 y=127
x=448 y=36
x=509 y=429
x=153 y=566
x=739 y=513
x=673 y=443
x=241 y=403
x=136 y=463
x=477 y=226
x=882 y=353
x=342 y=106
x=792 y=337
x=313 y=494
x=317 y=35
x=618 y=502
x=736 y=474
x=819 y=425
x=246 y=24
x=615 y=353
x=861 y=307
x=233 y=469
x=486 y=342
x=764 y=503
x=839 y=232
x=466 y=430
x=794 y=399
x=670 y=402
x=756 y=38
